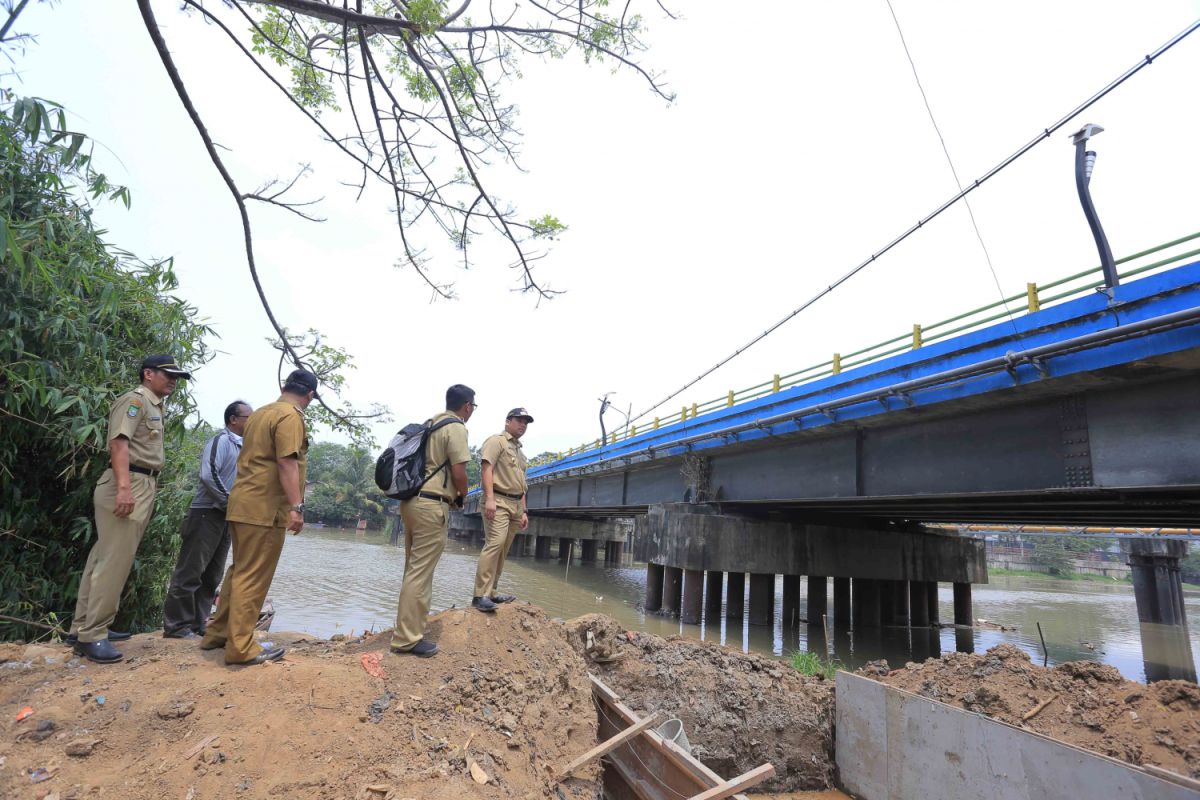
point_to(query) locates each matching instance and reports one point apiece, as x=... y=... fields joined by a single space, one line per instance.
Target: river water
x=335 y=581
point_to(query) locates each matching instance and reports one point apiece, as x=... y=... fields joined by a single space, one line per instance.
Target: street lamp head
x=1085 y=133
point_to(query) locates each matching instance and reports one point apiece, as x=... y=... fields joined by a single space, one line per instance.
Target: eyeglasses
x=473 y=406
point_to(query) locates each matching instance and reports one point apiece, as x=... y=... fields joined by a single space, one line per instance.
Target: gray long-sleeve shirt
x=218 y=468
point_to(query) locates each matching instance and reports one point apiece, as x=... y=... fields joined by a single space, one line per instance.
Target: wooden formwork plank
x=735 y=785
x=612 y=743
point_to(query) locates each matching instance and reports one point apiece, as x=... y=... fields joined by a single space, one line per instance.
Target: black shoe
x=482 y=604
x=423 y=649
x=270 y=654
x=186 y=633
x=503 y=598
x=113 y=636
x=102 y=652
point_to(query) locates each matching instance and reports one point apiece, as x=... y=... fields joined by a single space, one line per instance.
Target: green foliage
x=280 y=39
x=1057 y=553
x=76 y=318
x=1190 y=564
x=342 y=487
x=428 y=14
x=547 y=227
x=815 y=664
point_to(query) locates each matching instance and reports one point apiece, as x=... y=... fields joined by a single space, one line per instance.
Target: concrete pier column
x=1157 y=584
x=931 y=598
x=565 y=549
x=887 y=602
x=869 y=601
x=735 y=595
x=841 y=603
x=791 y=600
x=613 y=550
x=587 y=549
x=818 y=603
x=963 y=614
x=964 y=639
x=762 y=598
x=900 y=613
x=918 y=605
x=712 y=595
x=693 y=596
x=672 y=589
x=542 y=547
x=518 y=545
x=654 y=585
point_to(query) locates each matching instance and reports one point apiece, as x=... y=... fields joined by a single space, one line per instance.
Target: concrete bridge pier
x=841 y=603
x=542 y=547
x=762 y=598
x=900 y=612
x=735 y=596
x=791 y=600
x=867 y=592
x=714 y=579
x=613 y=550
x=693 y=596
x=1158 y=592
x=963 y=613
x=587 y=550
x=672 y=590
x=918 y=604
x=566 y=549
x=818 y=599
x=654 y=586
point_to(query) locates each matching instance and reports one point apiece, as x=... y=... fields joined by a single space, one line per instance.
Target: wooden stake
x=1033 y=712
x=735 y=785
x=608 y=745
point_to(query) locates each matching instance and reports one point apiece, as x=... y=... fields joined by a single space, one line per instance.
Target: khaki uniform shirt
x=508 y=462
x=448 y=443
x=274 y=431
x=138 y=416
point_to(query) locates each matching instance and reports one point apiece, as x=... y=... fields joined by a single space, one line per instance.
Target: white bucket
x=672 y=731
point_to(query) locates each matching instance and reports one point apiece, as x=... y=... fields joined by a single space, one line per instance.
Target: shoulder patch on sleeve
x=134 y=408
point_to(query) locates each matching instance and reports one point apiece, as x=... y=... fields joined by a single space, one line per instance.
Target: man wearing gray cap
x=266 y=502
x=123 y=500
x=502 y=478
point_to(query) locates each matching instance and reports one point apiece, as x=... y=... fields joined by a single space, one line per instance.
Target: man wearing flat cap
x=266 y=502
x=503 y=481
x=123 y=501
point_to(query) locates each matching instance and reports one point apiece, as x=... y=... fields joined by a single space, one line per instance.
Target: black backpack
x=400 y=468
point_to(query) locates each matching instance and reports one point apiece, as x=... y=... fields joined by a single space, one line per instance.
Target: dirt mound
x=1083 y=703
x=721 y=696
x=502 y=707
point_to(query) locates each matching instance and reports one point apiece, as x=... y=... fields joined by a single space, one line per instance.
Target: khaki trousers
x=498 y=539
x=111 y=557
x=256 y=552
x=425 y=524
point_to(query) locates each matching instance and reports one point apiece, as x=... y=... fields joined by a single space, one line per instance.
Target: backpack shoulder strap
x=435 y=426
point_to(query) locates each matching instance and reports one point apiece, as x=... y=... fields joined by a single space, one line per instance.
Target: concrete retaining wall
x=892 y=745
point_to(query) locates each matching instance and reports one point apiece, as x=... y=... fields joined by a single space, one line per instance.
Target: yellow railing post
x=1031 y=293
x=614 y=437
x=917 y=337
x=597 y=444
x=729 y=399
x=775 y=384
x=694 y=411
x=656 y=423
x=632 y=431
x=837 y=363
x=683 y=415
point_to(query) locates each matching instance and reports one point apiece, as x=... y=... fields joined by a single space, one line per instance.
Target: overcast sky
x=798 y=145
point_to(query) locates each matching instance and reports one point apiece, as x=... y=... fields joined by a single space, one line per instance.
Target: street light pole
x=1085 y=160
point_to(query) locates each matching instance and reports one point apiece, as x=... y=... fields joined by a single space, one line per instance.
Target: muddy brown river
x=336 y=581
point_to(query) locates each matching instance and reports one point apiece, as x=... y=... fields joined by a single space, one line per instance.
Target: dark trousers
x=197 y=572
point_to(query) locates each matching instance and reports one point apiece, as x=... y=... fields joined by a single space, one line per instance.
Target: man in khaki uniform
x=426 y=519
x=124 y=501
x=267 y=500
x=502 y=478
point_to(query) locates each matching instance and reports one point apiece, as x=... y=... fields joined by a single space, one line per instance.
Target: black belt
x=506 y=494
x=432 y=496
x=153 y=473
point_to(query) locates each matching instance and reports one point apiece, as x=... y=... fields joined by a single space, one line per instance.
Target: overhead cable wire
x=957 y=182
x=1142 y=63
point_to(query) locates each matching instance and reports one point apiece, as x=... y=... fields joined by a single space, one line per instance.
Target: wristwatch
x=298 y=508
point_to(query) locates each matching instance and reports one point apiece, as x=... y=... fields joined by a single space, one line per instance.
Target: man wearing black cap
x=123 y=500
x=266 y=502
x=502 y=479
